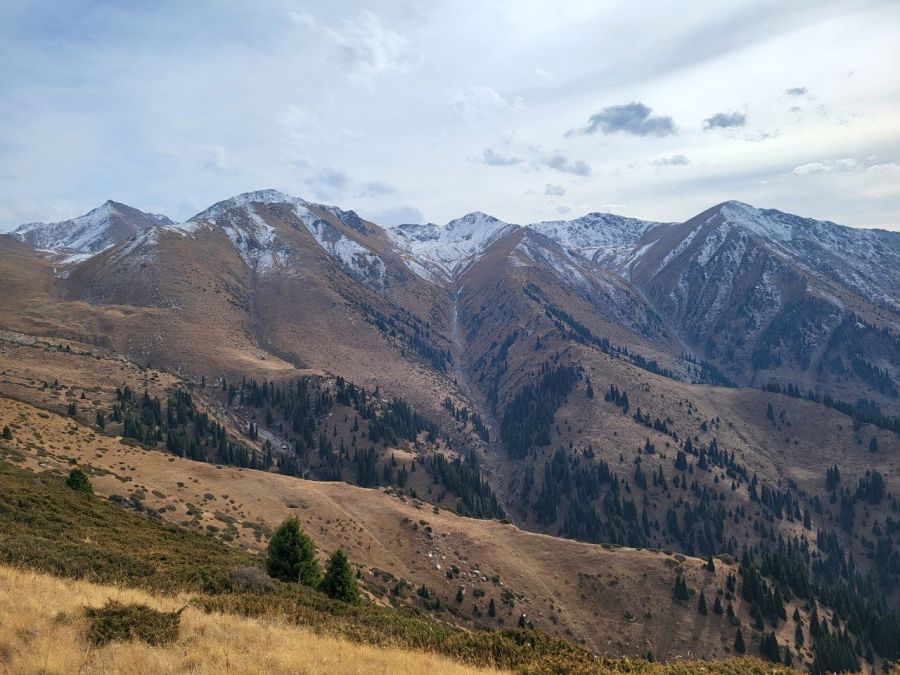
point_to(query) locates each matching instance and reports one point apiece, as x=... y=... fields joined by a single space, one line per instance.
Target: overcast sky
x=422 y=110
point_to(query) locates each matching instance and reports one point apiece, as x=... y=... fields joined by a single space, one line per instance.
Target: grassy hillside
x=46 y=526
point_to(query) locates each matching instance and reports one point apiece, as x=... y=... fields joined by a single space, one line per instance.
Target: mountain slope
x=108 y=224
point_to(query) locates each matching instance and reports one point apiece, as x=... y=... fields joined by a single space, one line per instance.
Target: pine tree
x=292 y=555
x=739 y=645
x=681 y=590
x=492 y=608
x=7 y=433
x=79 y=481
x=339 y=582
x=717 y=606
x=701 y=605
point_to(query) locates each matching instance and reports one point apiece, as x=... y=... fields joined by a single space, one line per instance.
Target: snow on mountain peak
x=108 y=224
x=268 y=196
x=445 y=251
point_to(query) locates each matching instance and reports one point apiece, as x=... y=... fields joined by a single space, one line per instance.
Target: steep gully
x=492 y=451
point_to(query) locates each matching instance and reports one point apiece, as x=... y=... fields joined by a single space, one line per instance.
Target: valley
x=563 y=421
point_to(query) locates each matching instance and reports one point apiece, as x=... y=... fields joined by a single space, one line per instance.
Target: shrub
x=339 y=582
x=7 y=433
x=249 y=579
x=118 y=622
x=79 y=481
x=292 y=555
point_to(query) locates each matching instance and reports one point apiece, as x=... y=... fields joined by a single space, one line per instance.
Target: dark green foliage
x=768 y=647
x=339 y=582
x=7 y=433
x=701 y=605
x=463 y=478
x=118 y=622
x=528 y=418
x=680 y=592
x=739 y=645
x=834 y=653
x=291 y=555
x=79 y=482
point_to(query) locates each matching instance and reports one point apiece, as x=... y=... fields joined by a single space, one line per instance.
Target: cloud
x=725 y=121
x=562 y=163
x=632 y=118
x=376 y=189
x=493 y=158
x=889 y=167
x=476 y=102
x=826 y=166
x=554 y=190
x=796 y=91
x=543 y=74
x=215 y=158
x=365 y=47
x=760 y=136
x=395 y=215
x=563 y=209
x=674 y=160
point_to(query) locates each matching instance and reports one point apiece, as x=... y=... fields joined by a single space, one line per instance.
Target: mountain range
x=674 y=386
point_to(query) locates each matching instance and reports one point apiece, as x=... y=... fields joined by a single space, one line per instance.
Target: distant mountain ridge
x=763 y=294
x=109 y=224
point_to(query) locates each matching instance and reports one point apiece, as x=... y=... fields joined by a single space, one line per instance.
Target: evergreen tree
x=739 y=645
x=701 y=605
x=492 y=608
x=79 y=481
x=7 y=433
x=681 y=590
x=292 y=555
x=717 y=606
x=339 y=582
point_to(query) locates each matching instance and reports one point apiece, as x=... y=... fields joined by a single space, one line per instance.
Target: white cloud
x=364 y=45
x=475 y=103
x=826 y=166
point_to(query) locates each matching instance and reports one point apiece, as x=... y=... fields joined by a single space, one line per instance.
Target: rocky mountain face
x=676 y=386
x=764 y=296
x=109 y=224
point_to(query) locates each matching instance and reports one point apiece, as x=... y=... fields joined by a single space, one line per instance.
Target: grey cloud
x=376 y=189
x=632 y=118
x=674 y=160
x=796 y=91
x=493 y=158
x=554 y=190
x=562 y=163
x=725 y=121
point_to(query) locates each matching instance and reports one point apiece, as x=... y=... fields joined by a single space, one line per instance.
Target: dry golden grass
x=43 y=630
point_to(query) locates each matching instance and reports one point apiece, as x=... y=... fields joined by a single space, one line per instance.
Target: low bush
x=118 y=622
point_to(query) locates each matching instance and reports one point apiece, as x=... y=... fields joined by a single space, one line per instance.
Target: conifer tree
x=292 y=555
x=79 y=481
x=339 y=582
x=7 y=433
x=739 y=645
x=701 y=605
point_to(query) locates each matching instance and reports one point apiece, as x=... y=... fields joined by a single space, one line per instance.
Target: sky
x=414 y=111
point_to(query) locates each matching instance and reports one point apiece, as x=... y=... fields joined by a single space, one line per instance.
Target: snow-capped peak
x=445 y=251
x=256 y=197
x=603 y=237
x=108 y=224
